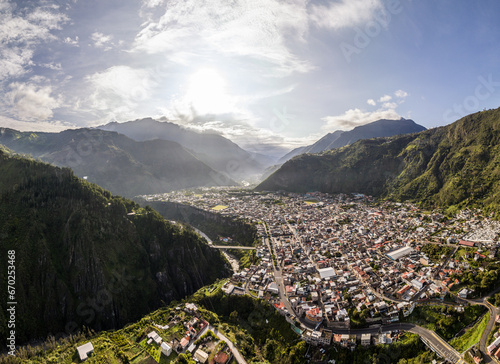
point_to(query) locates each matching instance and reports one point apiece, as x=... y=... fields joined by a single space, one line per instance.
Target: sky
x=269 y=75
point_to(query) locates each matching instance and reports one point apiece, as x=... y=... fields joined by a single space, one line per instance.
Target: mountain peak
x=215 y=150
x=340 y=138
x=450 y=165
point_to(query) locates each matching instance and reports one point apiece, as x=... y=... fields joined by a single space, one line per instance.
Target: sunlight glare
x=207 y=92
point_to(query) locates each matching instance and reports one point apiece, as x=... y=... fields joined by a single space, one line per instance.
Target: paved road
x=239 y=358
x=489 y=326
x=279 y=281
x=439 y=344
x=429 y=337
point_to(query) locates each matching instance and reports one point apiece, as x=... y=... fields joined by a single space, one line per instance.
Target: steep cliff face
x=85 y=257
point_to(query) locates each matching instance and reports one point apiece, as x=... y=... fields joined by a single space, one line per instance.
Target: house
x=366 y=339
x=191 y=308
x=463 y=293
x=314 y=316
x=273 y=288
x=201 y=356
x=153 y=336
x=166 y=349
x=85 y=351
x=184 y=343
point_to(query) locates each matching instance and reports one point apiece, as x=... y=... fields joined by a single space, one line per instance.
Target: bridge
x=233 y=247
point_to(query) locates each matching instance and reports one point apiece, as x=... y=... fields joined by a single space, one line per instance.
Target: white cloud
x=152 y=3
x=20 y=32
x=71 y=41
x=355 y=117
x=13 y=61
x=240 y=130
x=118 y=91
x=390 y=105
x=101 y=40
x=385 y=98
x=47 y=18
x=345 y=13
x=401 y=94
x=45 y=126
x=52 y=66
x=31 y=102
x=259 y=29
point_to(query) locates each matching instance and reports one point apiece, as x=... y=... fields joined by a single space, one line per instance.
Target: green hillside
x=85 y=257
x=456 y=165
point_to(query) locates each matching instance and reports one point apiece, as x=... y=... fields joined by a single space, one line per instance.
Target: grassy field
x=219 y=207
x=471 y=336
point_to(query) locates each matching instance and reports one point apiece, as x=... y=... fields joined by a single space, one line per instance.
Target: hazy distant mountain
x=216 y=151
x=116 y=162
x=453 y=165
x=291 y=154
x=339 y=138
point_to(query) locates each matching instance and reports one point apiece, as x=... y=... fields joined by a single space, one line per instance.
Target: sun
x=207 y=92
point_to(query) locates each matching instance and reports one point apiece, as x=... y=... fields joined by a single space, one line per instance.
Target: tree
x=233 y=316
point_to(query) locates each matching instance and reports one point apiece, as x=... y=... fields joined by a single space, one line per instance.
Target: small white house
x=201 y=356
x=273 y=288
x=166 y=349
x=463 y=293
x=153 y=336
x=85 y=351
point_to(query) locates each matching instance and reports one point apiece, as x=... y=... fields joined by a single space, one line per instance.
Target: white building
x=366 y=339
x=463 y=293
x=201 y=356
x=400 y=253
x=166 y=349
x=153 y=336
x=85 y=351
x=273 y=288
x=326 y=273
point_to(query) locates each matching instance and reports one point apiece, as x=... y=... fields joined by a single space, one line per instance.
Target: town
x=335 y=262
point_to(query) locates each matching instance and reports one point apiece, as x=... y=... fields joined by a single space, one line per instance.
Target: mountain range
x=85 y=257
x=218 y=152
x=455 y=165
x=340 y=138
x=116 y=162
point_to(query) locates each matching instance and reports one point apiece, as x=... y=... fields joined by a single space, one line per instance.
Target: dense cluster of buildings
x=330 y=260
